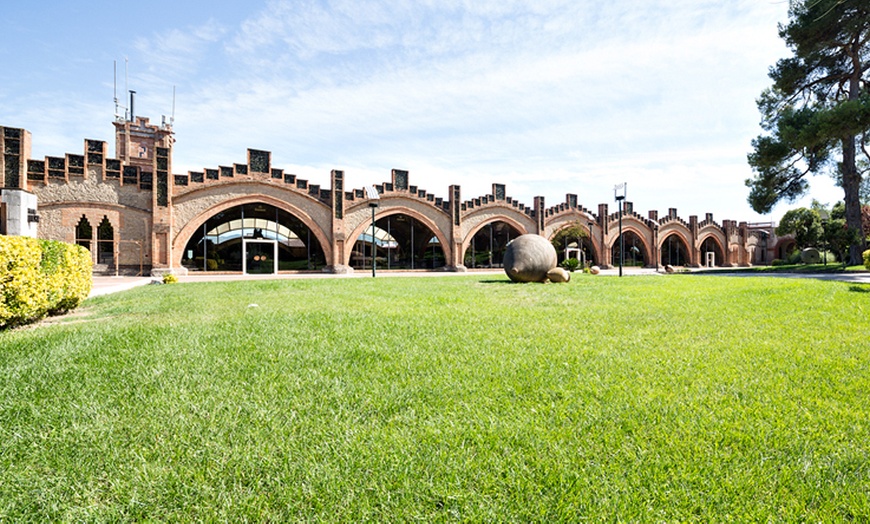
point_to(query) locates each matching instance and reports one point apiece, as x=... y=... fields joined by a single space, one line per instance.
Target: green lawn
x=660 y=398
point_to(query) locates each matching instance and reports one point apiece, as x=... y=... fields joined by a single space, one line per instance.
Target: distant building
x=136 y=216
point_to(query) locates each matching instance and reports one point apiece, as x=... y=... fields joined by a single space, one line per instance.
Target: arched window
x=635 y=250
x=105 y=242
x=400 y=242
x=249 y=237
x=84 y=233
x=674 y=251
x=489 y=244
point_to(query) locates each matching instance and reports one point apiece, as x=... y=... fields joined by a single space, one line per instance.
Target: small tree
x=575 y=232
x=805 y=224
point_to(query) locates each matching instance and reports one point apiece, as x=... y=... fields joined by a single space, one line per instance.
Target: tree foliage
x=805 y=224
x=816 y=115
x=565 y=236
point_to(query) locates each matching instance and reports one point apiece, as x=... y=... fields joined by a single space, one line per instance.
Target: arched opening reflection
x=711 y=253
x=489 y=244
x=674 y=251
x=399 y=242
x=635 y=250
x=253 y=238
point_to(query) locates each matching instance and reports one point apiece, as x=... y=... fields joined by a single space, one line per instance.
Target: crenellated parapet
x=138 y=212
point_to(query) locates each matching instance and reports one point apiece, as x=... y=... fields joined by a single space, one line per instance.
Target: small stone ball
x=595 y=270
x=559 y=274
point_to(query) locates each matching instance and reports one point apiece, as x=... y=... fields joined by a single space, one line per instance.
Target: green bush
x=40 y=277
x=777 y=262
x=571 y=264
x=866 y=255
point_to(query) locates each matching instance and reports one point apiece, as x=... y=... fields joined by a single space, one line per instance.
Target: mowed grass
x=691 y=398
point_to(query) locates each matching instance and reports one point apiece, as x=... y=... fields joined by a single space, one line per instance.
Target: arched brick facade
x=155 y=212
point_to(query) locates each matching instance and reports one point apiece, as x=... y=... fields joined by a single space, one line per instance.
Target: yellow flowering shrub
x=38 y=277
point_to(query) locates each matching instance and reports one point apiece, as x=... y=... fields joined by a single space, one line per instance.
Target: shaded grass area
x=831 y=267
x=444 y=399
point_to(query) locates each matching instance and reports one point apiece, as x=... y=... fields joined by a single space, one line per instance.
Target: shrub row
x=867 y=259
x=40 y=277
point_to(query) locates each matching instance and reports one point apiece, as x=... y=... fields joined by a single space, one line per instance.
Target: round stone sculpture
x=528 y=258
x=811 y=255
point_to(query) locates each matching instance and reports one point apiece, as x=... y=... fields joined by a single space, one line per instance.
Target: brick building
x=136 y=216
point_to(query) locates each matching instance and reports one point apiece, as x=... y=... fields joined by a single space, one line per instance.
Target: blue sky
x=548 y=97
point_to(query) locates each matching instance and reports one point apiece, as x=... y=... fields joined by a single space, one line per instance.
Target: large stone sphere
x=811 y=255
x=528 y=258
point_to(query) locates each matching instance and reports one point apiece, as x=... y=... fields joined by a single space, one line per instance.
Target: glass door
x=260 y=257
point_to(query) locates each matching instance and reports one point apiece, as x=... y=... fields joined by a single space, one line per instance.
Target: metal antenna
x=115 y=85
x=126 y=87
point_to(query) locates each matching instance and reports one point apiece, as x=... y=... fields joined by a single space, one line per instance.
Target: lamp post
x=823 y=214
x=374 y=199
x=591 y=244
x=619 y=200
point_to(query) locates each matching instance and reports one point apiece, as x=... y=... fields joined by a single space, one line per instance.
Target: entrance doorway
x=261 y=257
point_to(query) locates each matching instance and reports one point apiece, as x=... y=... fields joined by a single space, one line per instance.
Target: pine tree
x=817 y=110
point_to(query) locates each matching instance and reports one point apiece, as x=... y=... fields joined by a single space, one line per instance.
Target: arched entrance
x=711 y=253
x=399 y=242
x=635 y=250
x=674 y=251
x=253 y=238
x=575 y=241
x=488 y=245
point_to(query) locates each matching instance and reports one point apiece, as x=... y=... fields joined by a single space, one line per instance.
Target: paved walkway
x=105 y=285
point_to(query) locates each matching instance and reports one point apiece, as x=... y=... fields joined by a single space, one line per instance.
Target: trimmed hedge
x=867 y=259
x=40 y=277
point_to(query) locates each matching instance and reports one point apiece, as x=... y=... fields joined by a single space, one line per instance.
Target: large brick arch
x=720 y=241
x=183 y=236
x=682 y=232
x=642 y=234
x=391 y=207
x=489 y=218
x=554 y=228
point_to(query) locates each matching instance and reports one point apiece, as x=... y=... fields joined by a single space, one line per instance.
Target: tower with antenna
x=136 y=139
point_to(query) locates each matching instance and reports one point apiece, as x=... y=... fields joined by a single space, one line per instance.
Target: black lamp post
x=374 y=199
x=824 y=216
x=619 y=200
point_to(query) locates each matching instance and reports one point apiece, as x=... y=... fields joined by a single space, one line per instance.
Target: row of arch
x=257 y=237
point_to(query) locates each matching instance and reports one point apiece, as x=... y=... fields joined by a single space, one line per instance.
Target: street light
x=823 y=214
x=374 y=199
x=619 y=199
x=591 y=243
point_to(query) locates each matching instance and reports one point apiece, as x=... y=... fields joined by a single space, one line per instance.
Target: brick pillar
x=455 y=262
x=539 y=215
x=695 y=255
x=742 y=251
x=603 y=223
x=162 y=256
x=338 y=235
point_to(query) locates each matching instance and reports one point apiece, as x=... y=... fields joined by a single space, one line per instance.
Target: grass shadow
x=858 y=288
